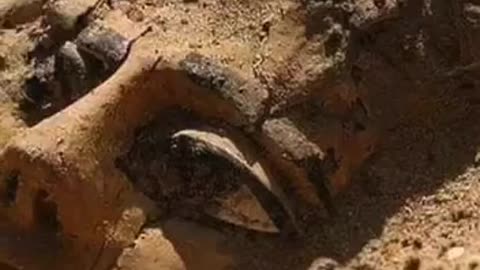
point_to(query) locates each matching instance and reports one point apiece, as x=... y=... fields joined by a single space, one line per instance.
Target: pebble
x=455 y=253
x=103 y=43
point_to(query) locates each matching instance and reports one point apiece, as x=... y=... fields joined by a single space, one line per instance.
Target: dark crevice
x=315 y=171
x=11 y=187
x=333 y=44
x=45 y=211
x=35 y=105
x=356 y=74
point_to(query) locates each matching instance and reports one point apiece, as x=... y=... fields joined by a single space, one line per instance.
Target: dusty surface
x=378 y=83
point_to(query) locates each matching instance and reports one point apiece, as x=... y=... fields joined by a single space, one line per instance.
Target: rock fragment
x=152 y=250
x=292 y=142
x=300 y=158
x=106 y=45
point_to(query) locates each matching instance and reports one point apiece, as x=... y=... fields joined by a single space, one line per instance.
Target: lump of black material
x=248 y=97
x=106 y=45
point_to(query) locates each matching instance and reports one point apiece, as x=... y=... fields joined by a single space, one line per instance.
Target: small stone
x=324 y=264
x=289 y=138
x=104 y=44
x=455 y=253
